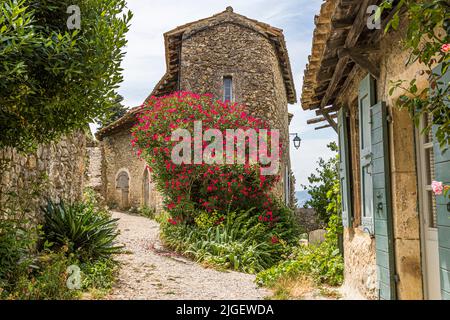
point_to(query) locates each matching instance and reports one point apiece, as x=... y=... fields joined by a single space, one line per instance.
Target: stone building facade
x=55 y=171
x=396 y=231
x=125 y=178
x=228 y=55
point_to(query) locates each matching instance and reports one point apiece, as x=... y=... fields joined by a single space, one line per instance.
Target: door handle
x=380 y=206
x=368 y=155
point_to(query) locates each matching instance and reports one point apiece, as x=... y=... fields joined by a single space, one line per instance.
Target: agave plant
x=78 y=226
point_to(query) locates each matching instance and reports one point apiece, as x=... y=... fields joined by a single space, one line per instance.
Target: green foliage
x=18 y=233
x=334 y=194
x=78 y=226
x=206 y=220
x=147 y=212
x=427 y=35
x=323 y=186
x=91 y=200
x=117 y=111
x=16 y=244
x=323 y=263
x=46 y=280
x=239 y=242
x=54 y=80
x=99 y=274
x=32 y=271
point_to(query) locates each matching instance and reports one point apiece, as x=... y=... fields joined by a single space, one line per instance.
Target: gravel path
x=149 y=271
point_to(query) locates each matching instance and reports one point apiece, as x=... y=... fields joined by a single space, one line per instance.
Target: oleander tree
x=190 y=186
x=55 y=78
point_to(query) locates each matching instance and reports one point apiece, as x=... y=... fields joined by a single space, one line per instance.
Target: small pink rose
x=445 y=47
x=437 y=187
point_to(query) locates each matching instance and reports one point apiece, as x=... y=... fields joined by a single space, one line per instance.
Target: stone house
x=228 y=55
x=396 y=231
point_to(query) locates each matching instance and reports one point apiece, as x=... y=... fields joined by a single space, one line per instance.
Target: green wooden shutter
x=375 y=184
x=442 y=173
x=384 y=238
x=344 y=170
x=366 y=99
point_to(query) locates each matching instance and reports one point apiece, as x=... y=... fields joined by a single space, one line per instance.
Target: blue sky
x=144 y=63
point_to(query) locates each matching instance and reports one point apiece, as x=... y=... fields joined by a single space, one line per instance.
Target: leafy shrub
x=18 y=233
x=320 y=183
x=93 y=200
x=240 y=242
x=147 y=212
x=45 y=280
x=79 y=227
x=54 y=80
x=323 y=262
x=99 y=274
x=192 y=188
x=206 y=220
x=16 y=244
x=29 y=269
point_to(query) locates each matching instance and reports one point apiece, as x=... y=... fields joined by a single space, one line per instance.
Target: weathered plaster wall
x=360 y=273
x=360 y=265
x=55 y=171
x=118 y=155
x=250 y=58
x=359 y=248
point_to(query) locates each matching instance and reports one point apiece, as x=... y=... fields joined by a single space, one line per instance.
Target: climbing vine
x=427 y=37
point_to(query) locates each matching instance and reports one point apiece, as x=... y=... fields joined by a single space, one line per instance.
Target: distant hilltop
x=302 y=197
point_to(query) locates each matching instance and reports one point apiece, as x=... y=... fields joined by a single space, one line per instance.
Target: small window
x=227 y=89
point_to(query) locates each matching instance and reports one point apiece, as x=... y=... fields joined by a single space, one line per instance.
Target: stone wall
x=94 y=167
x=55 y=171
x=210 y=54
x=308 y=219
x=118 y=157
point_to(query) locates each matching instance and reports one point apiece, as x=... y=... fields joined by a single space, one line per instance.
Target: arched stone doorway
x=146 y=188
x=123 y=184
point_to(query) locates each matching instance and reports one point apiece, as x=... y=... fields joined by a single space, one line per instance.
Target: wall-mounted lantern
x=297 y=140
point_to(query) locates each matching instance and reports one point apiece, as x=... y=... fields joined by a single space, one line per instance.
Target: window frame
x=224 y=88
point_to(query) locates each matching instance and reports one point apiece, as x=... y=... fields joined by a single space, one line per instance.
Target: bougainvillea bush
x=192 y=187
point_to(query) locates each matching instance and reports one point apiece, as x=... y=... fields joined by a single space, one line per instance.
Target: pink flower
x=437 y=187
x=445 y=48
x=171 y=206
